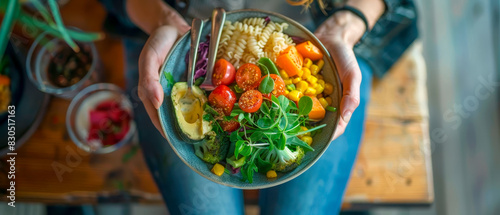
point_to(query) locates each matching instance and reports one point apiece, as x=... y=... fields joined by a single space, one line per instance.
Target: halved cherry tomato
x=229 y=125
x=248 y=76
x=279 y=86
x=224 y=73
x=222 y=97
x=250 y=101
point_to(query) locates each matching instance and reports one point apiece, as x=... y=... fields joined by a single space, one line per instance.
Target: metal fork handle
x=196 y=27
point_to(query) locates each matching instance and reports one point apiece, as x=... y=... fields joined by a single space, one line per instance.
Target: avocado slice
x=189 y=111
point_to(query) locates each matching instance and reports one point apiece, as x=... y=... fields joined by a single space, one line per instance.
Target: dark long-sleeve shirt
x=392 y=34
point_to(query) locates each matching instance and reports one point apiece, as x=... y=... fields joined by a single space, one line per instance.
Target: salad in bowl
x=272 y=112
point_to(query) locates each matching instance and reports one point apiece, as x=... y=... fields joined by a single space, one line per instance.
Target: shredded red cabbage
x=298 y=40
x=202 y=61
x=268 y=19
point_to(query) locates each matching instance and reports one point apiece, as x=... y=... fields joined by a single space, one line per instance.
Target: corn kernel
x=319 y=76
x=307 y=62
x=321 y=82
x=272 y=173
x=287 y=81
x=299 y=73
x=311 y=79
x=294 y=95
x=286 y=92
x=218 y=169
x=323 y=102
x=329 y=100
x=284 y=75
x=303 y=128
x=319 y=89
x=302 y=86
x=310 y=91
x=296 y=80
x=314 y=69
x=306 y=74
x=313 y=85
x=328 y=89
x=307 y=139
x=320 y=64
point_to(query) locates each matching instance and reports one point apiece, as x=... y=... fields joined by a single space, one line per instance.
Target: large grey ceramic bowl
x=176 y=65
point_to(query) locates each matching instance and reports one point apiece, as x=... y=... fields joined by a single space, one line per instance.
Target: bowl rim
x=313 y=160
x=73 y=108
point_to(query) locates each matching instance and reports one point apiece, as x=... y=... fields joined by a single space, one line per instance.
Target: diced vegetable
x=329 y=100
x=4 y=80
x=307 y=63
x=306 y=74
x=284 y=75
x=307 y=139
x=323 y=102
x=328 y=89
x=302 y=86
x=296 y=80
x=320 y=64
x=218 y=169
x=314 y=69
x=310 y=91
x=309 y=50
x=294 y=95
x=290 y=60
x=271 y=174
x=317 y=112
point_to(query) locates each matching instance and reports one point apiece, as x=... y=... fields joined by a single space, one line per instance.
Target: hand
x=339 y=33
x=151 y=59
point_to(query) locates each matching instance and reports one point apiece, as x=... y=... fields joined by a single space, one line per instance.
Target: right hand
x=151 y=59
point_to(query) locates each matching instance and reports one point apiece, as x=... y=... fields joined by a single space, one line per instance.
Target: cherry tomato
x=224 y=73
x=222 y=97
x=250 y=101
x=229 y=125
x=248 y=76
x=279 y=86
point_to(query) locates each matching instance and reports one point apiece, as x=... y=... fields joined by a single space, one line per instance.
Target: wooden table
x=393 y=165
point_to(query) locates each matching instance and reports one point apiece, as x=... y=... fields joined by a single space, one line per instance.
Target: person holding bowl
x=364 y=38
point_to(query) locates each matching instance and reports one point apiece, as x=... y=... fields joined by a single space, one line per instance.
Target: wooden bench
x=393 y=165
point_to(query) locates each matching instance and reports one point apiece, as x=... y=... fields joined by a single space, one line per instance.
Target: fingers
x=350 y=76
x=150 y=61
x=153 y=115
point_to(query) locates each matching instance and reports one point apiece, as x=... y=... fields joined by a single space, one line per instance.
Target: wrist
x=345 y=26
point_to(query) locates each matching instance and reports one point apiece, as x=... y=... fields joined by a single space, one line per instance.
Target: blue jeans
x=317 y=191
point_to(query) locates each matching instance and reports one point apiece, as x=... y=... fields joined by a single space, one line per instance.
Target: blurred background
x=460 y=45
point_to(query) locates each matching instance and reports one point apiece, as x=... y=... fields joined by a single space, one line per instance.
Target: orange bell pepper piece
x=317 y=111
x=290 y=60
x=309 y=50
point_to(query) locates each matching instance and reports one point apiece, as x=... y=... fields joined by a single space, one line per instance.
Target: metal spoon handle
x=196 y=28
x=218 y=18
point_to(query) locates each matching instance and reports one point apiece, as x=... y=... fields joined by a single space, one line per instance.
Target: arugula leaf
x=305 y=105
x=293 y=140
x=239 y=145
x=282 y=141
x=256 y=136
x=283 y=102
x=264 y=122
x=246 y=151
x=266 y=85
x=264 y=108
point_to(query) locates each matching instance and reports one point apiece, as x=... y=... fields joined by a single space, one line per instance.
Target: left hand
x=339 y=34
